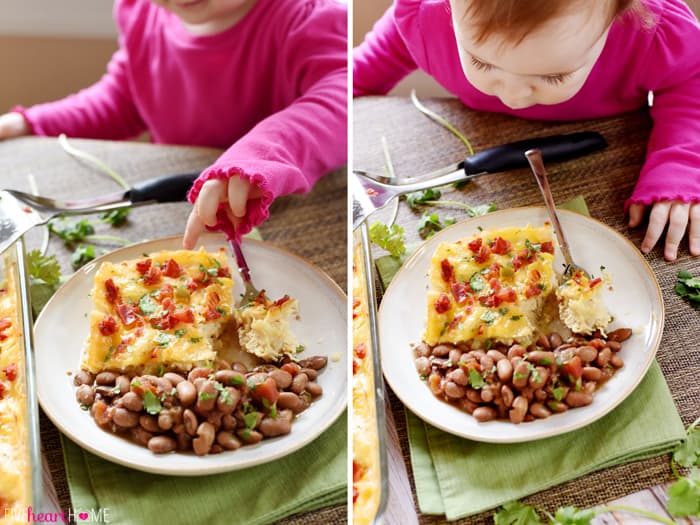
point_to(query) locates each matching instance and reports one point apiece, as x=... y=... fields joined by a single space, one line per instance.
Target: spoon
x=534 y=157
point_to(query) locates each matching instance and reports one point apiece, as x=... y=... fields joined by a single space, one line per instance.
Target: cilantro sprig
x=430 y=224
x=683 y=495
x=688 y=287
x=390 y=239
x=44 y=278
x=432 y=197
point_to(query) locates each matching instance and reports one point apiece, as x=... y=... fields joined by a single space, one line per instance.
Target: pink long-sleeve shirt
x=272 y=90
x=664 y=59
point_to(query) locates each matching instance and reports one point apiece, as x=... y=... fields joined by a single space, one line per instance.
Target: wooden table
x=312 y=226
x=605 y=179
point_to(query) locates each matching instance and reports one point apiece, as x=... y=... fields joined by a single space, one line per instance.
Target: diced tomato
x=494 y=271
x=127 y=314
x=266 y=390
x=172 y=269
x=534 y=275
x=360 y=350
x=119 y=349
x=594 y=282
x=494 y=284
x=2 y=391
x=10 y=371
x=500 y=246
x=5 y=323
x=442 y=304
x=475 y=244
x=457 y=319
x=532 y=290
x=111 y=291
x=211 y=313
x=547 y=247
x=448 y=271
x=292 y=368
x=108 y=325
x=154 y=276
x=166 y=292
x=573 y=368
x=460 y=292
x=193 y=285
x=483 y=255
x=356 y=363
x=357 y=471
x=507 y=295
x=223 y=272
x=491 y=300
x=143 y=265
x=355 y=304
x=100 y=412
x=355 y=494
x=184 y=316
x=168 y=305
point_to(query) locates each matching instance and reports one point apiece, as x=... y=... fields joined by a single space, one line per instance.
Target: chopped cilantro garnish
x=558 y=393
x=475 y=379
x=180 y=332
x=503 y=310
x=161 y=370
x=236 y=380
x=162 y=339
x=299 y=349
x=516 y=317
x=151 y=403
x=205 y=396
x=195 y=339
x=147 y=305
x=250 y=420
x=109 y=354
x=476 y=282
x=488 y=317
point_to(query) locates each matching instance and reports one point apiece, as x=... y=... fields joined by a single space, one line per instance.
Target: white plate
x=61 y=329
x=635 y=302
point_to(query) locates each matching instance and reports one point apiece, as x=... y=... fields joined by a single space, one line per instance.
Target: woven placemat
x=605 y=179
x=312 y=226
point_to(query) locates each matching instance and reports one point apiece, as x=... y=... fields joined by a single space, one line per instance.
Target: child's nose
x=514 y=90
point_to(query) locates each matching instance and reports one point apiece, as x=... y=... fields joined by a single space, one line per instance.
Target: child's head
x=532 y=52
x=203 y=17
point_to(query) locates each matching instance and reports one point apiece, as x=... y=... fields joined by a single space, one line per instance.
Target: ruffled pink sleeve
x=288 y=151
x=672 y=167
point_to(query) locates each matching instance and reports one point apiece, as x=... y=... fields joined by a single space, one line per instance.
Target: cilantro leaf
x=475 y=379
x=573 y=516
x=151 y=403
x=688 y=287
x=687 y=453
x=71 y=232
x=44 y=267
x=684 y=496
x=418 y=198
x=82 y=255
x=116 y=217
x=147 y=305
x=516 y=513
x=390 y=239
x=430 y=224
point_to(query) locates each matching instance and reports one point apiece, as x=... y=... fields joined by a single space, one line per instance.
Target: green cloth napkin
x=310 y=478
x=459 y=477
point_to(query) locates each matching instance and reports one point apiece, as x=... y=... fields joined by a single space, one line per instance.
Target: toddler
x=564 y=60
x=266 y=79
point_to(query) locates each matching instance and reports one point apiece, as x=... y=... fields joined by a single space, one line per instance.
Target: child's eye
x=555 y=80
x=481 y=66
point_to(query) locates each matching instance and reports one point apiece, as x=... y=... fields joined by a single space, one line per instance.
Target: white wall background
x=74 y=18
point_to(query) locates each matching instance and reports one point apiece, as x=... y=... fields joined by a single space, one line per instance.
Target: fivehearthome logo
x=32 y=515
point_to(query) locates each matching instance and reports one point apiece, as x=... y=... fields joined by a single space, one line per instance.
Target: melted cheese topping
x=165 y=309
x=581 y=305
x=491 y=286
x=14 y=453
x=366 y=482
x=263 y=327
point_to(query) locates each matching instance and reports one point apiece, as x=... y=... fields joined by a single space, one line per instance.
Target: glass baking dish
x=20 y=452
x=370 y=464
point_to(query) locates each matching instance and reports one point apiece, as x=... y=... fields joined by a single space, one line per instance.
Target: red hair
x=513 y=20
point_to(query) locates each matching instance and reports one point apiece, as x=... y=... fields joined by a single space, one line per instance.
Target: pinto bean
x=521 y=375
x=453 y=390
x=206 y=397
x=557 y=406
x=149 y=423
x=454 y=356
x=519 y=410
x=616 y=361
x=249 y=437
x=485 y=413
x=230 y=377
x=106 y=378
x=539 y=411
x=541 y=357
x=488 y=393
x=516 y=351
x=85 y=395
x=496 y=355
x=270 y=427
x=615 y=346
x=487 y=363
x=505 y=370
x=591 y=373
x=122 y=384
x=228 y=440
x=619 y=335
x=289 y=400
x=578 y=399
x=473 y=395
x=161 y=444
x=468 y=406
x=587 y=353
x=189 y=419
x=458 y=376
x=538 y=377
x=228 y=400
x=83 y=377
x=204 y=440
x=186 y=393
x=299 y=383
x=132 y=401
x=317 y=362
x=174 y=378
x=422 y=350
x=282 y=378
x=507 y=396
x=441 y=350
x=141 y=436
x=555 y=340
x=184 y=441
x=423 y=366
x=124 y=418
x=603 y=357
x=199 y=372
x=228 y=422
x=165 y=420
x=314 y=388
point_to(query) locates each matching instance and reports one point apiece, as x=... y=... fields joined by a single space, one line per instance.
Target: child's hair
x=513 y=20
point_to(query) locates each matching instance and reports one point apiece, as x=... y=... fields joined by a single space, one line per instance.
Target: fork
x=534 y=158
x=251 y=292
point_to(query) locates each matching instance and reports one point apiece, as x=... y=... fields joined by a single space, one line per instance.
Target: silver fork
x=251 y=293
x=534 y=158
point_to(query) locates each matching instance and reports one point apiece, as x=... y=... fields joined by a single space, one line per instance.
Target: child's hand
x=235 y=192
x=677 y=214
x=13 y=125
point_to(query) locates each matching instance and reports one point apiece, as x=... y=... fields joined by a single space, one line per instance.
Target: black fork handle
x=169 y=188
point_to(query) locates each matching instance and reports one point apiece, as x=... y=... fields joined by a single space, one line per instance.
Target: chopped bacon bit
x=483 y=255
x=166 y=292
x=223 y=272
x=442 y=304
x=494 y=271
x=184 y=316
x=172 y=269
x=355 y=365
x=281 y=301
x=475 y=245
x=10 y=371
x=355 y=494
x=211 y=313
x=154 y=276
x=535 y=275
x=5 y=323
x=360 y=350
x=507 y=296
x=111 y=291
x=460 y=292
x=494 y=284
x=143 y=265
x=119 y=349
x=448 y=271
x=358 y=471
x=532 y=290
x=154 y=352
x=594 y=282
x=457 y=319
x=193 y=285
x=356 y=303
x=127 y=314
x=500 y=246
x=491 y=300
x=547 y=247
x=2 y=390
x=108 y=325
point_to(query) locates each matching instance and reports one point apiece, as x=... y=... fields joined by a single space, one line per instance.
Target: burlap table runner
x=312 y=226
x=605 y=179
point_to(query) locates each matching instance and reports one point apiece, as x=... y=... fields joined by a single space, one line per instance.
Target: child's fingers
x=238 y=190
x=657 y=221
x=13 y=125
x=636 y=212
x=195 y=227
x=207 y=203
x=694 y=232
x=677 y=224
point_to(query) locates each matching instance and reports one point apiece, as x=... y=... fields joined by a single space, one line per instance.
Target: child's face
x=548 y=67
x=207 y=16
